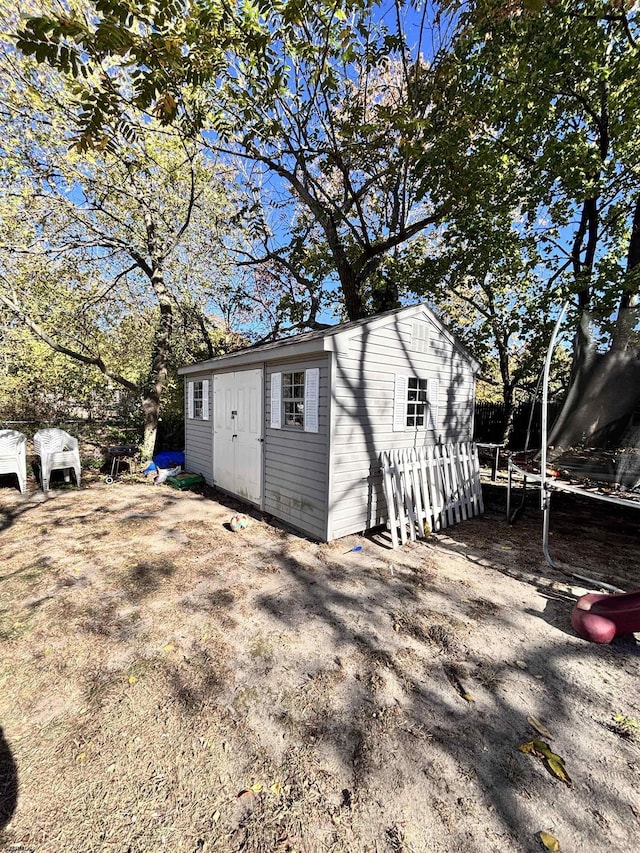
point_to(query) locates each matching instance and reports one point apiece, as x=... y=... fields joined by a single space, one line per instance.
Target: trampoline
x=596 y=472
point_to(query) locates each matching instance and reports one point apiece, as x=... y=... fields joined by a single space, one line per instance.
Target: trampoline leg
x=546 y=515
x=511 y=517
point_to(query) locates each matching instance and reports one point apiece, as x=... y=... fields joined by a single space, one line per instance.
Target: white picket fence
x=438 y=485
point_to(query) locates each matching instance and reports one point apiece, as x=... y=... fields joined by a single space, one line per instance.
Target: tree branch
x=93 y=361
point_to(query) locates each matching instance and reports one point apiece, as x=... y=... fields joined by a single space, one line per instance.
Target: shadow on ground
x=334 y=685
x=8 y=783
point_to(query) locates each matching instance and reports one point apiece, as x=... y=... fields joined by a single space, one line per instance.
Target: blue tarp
x=169 y=458
x=166 y=459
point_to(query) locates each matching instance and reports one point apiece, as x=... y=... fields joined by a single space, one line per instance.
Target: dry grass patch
x=166 y=684
x=436 y=629
x=490 y=677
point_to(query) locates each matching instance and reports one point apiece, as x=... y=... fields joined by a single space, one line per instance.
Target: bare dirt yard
x=167 y=684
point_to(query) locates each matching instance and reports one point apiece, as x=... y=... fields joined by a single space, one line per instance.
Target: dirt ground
x=167 y=684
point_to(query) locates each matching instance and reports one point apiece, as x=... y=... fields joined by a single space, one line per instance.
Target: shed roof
x=317 y=341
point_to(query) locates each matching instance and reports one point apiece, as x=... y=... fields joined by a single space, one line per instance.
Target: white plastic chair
x=56 y=449
x=13 y=455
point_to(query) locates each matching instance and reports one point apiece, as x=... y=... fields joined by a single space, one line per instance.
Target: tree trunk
x=508 y=386
x=206 y=337
x=384 y=297
x=604 y=388
x=352 y=297
x=162 y=345
x=628 y=310
x=151 y=410
x=158 y=380
x=509 y=412
x=160 y=365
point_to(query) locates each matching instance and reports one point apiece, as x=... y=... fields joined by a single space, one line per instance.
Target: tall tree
x=375 y=143
x=339 y=153
x=496 y=302
x=129 y=211
x=554 y=87
x=321 y=98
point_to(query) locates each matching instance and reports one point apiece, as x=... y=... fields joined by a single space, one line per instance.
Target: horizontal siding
x=313 y=498
x=301 y=456
x=363 y=399
x=355 y=376
x=436 y=357
x=356 y=492
x=198 y=441
x=296 y=462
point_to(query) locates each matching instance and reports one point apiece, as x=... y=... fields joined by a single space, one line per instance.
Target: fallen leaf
x=169 y=648
x=132 y=679
x=549 y=841
x=553 y=762
x=247 y=801
x=276 y=789
x=540 y=727
x=543 y=749
x=48 y=650
x=81 y=756
x=216 y=816
x=257 y=787
x=521 y=664
x=556 y=765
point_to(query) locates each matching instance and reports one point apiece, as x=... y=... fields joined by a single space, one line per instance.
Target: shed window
x=198 y=400
x=417 y=400
x=415 y=403
x=293 y=398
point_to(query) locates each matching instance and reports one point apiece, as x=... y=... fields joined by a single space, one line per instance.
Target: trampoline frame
x=550 y=484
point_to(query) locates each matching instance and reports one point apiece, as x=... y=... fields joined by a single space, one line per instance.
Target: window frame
x=293 y=406
x=421 y=412
x=417 y=408
x=197 y=403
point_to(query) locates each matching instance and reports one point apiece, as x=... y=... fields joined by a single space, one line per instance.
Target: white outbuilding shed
x=296 y=427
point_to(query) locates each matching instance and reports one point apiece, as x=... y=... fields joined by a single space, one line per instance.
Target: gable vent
x=419 y=337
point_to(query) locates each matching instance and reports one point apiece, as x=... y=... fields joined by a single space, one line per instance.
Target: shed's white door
x=238 y=427
x=223 y=430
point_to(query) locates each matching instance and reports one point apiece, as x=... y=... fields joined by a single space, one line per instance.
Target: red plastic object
x=599 y=618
